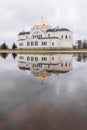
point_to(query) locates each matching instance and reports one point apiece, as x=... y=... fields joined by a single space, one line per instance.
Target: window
x=32 y=43
x=36 y=58
x=44 y=58
x=39 y=65
x=35 y=65
x=32 y=58
x=62 y=37
x=20 y=44
x=28 y=43
x=26 y=36
x=62 y=64
x=28 y=58
x=52 y=43
x=66 y=64
x=21 y=57
x=69 y=37
x=37 y=36
x=36 y=43
x=66 y=37
x=44 y=43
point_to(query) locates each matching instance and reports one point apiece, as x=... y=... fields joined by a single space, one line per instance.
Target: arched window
x=62 y=64
x=66 y=37
x=66 y=64
x=52 y=43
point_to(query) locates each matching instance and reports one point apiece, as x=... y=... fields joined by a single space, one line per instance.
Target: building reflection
x=43 y=66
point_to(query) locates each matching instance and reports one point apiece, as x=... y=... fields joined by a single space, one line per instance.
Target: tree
x=84 y=44
x=79 y=42
x=14 y=46
x=4 y=46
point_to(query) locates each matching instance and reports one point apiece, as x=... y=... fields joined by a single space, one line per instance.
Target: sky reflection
x=58 y=102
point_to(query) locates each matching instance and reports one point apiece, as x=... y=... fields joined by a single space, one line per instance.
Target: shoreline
x=43 y=51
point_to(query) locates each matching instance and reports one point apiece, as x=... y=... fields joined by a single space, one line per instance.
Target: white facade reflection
x=42 y=66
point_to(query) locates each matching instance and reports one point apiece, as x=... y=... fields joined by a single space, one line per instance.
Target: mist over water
x=39 y=92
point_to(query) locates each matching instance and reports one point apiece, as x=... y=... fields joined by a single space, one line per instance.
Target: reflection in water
x=81 y=57
x=60 y=104
x=44 y=118
x=43 y=66
x=14 y=55
x=4 y=55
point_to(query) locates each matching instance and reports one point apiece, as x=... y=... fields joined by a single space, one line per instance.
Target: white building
x=42 y=35
x=42 y=66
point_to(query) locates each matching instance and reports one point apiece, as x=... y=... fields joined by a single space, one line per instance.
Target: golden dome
x=42 y=24
x=42 y=76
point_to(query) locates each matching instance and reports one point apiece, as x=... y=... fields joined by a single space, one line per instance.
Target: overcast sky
x=19 y=15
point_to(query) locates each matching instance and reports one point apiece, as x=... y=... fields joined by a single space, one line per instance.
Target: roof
x=23 y=33
x=64 y=29
x=57 y=29
x=23 y=68
x=58 y=71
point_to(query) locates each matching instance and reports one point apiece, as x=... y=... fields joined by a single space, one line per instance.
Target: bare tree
x=79 y=42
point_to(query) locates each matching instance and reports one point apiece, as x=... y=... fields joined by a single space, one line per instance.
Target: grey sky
x=19 y=15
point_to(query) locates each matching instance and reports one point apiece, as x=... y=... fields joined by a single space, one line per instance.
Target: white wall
x=58 y=43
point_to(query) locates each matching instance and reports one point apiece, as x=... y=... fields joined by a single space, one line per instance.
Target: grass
x=44 y=51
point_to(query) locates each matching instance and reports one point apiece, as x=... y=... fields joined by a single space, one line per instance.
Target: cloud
x=23 y=14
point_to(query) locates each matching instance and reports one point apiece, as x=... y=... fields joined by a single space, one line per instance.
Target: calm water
x=43 y=92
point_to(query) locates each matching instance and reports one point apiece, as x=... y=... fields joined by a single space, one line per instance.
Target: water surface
x=43 y=92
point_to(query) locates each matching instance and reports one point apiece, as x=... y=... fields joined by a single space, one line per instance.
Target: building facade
x=42 y=35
